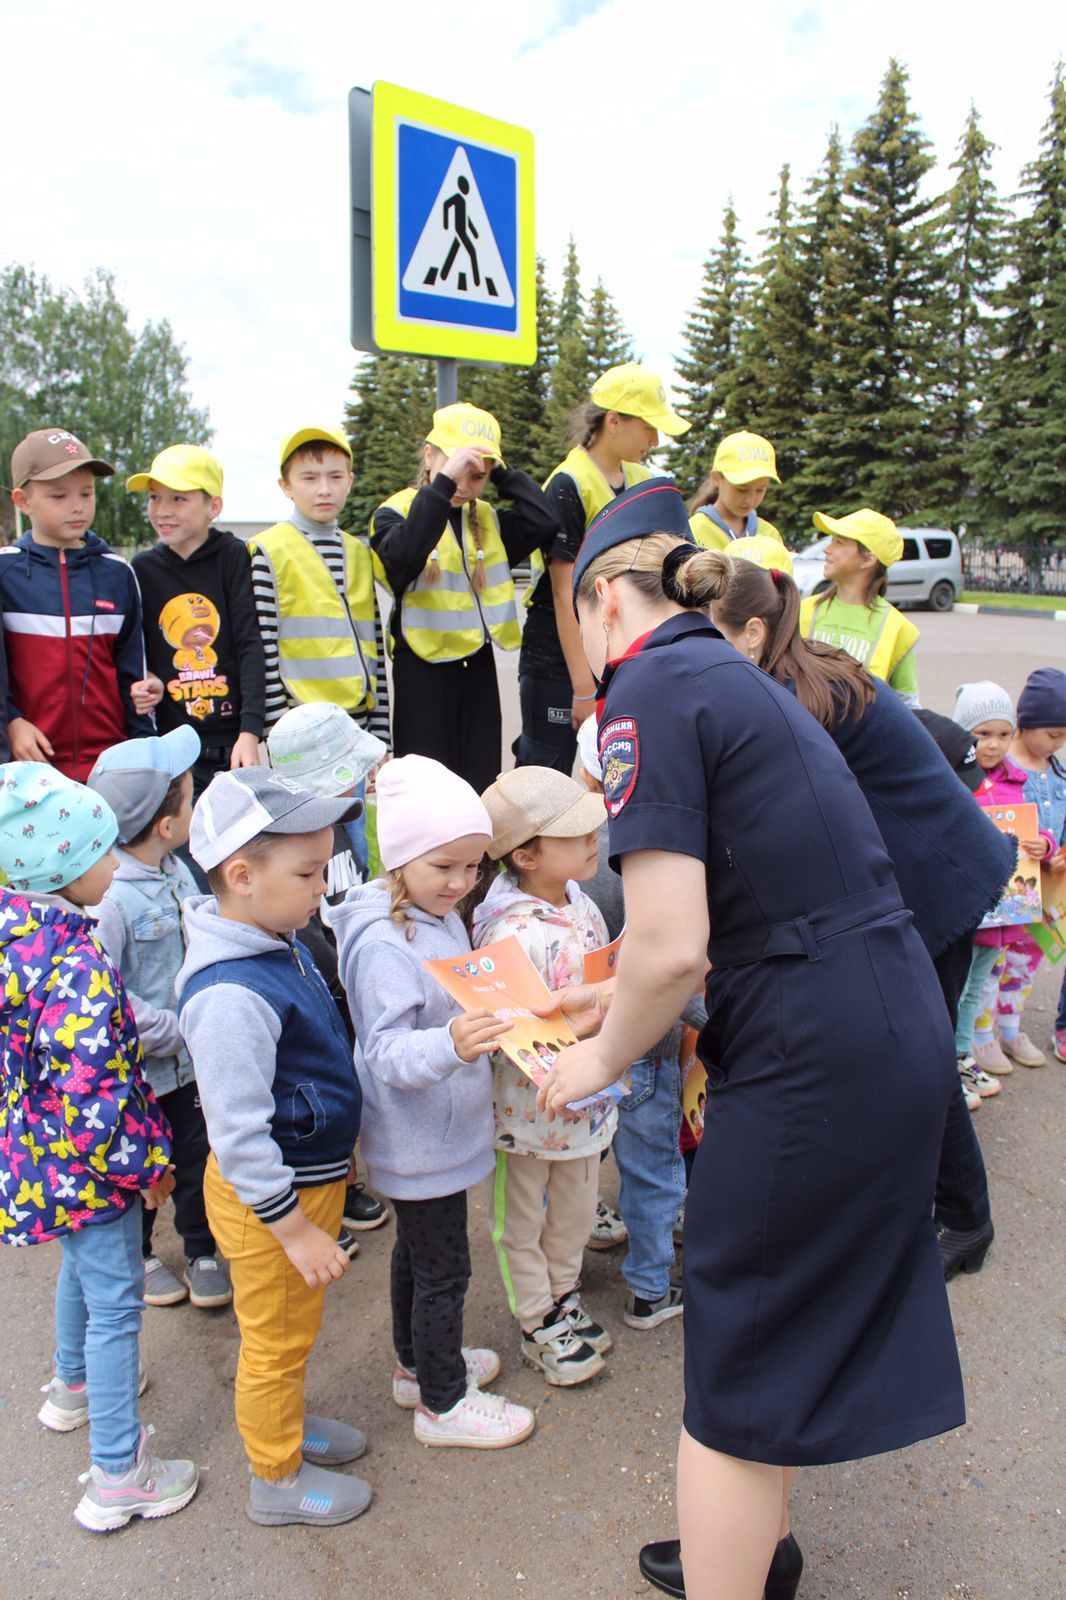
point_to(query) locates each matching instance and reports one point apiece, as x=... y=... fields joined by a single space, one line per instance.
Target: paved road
x=976 y=1515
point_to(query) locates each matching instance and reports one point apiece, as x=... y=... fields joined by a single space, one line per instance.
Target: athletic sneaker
x=476 y=1422
x=481 y=1367
x=970 y=1095
x=679 y=1226
x=1059 y=1044
x=314 y=1496
x=151 y=1488
x=1023 y=1051
x=348 y=1243
x=583 y=1325
x=649 y=1313
x=330 y=1444
x=608 y=1229
x=990 y=1058
x=363 y=1211
x=161 y=1287
x=557 y=1351
x=207 y=1279
x=67 y=1406
x=976 y=1079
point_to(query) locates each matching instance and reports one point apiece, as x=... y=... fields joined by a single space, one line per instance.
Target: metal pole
x=447 y=382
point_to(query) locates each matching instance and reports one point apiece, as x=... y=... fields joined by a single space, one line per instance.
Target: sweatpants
x=183 y=1112
x=449 y=710
x=279 y=1318
x=430 y=1277
x=540 y=1246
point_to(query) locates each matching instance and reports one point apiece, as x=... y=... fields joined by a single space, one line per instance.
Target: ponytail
x=706 y=495
x=585 y=425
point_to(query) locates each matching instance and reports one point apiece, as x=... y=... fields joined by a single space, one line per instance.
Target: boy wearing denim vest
x=148 y=784
x=282 y=1103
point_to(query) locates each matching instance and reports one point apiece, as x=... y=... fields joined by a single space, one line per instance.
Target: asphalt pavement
x=975 y=1515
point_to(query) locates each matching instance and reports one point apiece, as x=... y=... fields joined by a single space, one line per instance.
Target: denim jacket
x=139 y=924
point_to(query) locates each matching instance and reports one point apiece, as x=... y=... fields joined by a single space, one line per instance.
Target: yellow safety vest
x=707 y=533
x=595 y=493
x=896 y=636
x=448 y=620
x=327 y=644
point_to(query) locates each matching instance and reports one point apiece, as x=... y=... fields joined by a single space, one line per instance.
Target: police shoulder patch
x=620 y=761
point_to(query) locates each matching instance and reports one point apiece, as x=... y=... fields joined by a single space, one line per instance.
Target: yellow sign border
x=392 y=104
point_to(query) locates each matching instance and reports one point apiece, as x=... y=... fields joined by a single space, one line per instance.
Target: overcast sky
x=200 y=152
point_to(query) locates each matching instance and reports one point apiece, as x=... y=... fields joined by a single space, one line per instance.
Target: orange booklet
x=1021 y=902
x=603 y=963
x=693 y=1083
x=501 y=978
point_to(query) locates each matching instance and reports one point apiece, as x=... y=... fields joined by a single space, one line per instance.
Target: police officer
x=811 y=1268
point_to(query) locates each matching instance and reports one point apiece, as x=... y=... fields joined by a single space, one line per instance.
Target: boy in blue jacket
x=81 y=1135
x=282 y=1103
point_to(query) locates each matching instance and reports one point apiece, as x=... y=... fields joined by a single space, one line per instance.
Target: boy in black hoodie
x=201 y=633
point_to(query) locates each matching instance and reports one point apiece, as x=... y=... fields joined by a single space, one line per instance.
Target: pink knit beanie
x=421 y=806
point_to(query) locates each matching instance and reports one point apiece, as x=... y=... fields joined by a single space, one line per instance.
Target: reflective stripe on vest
x=447 y=620
x=595 y=493
x=896 y=635
x=327 y=644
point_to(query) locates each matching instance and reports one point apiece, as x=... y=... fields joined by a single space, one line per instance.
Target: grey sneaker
x=151 y=1488
x=67 y=1408
x=208 y=1282
x=317 y=1497
x=330 y=1444
x=161 y=1287
x=650 y=1313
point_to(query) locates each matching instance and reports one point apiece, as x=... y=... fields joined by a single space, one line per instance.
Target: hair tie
x=776 y=574
x=675 y=560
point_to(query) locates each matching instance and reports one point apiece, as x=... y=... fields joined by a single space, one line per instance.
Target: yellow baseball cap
x=293 y=441
x=762 y=551
x=866 y=527
x=181 y=467
x=463 y=425
x=745 y=457
x=636 y=391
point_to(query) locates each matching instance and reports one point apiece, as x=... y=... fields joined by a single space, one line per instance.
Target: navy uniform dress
x=817 y=1326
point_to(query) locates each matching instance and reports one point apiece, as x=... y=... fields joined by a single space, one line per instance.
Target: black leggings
x=449 y=710
x=430 y=1277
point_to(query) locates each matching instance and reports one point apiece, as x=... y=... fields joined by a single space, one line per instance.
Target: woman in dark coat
x=812 y=1274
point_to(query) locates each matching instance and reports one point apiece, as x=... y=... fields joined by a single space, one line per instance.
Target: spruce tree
x=387 y=417
x=1019 y=457
x=606 y=338
x=709 y=371
x=570 y=379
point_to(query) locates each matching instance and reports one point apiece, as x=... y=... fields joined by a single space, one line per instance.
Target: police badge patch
x=620 y=760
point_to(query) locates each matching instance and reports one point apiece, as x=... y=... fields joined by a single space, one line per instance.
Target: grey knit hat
x=976 y=703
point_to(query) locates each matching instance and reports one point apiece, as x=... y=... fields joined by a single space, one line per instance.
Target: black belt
x=803 y=935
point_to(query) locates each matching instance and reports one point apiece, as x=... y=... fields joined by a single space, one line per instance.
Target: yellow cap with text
x=181 y=467
x=878 y=533
x=744 y=458
x=636 y=391
x=461 y=425
x=762 y=551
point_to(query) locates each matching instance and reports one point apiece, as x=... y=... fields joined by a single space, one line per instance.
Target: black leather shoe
x=964 y=1251
x=660 y=1565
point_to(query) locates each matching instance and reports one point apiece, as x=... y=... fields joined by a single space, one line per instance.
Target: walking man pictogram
x=463 y=226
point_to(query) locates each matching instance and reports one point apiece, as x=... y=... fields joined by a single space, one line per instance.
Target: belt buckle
x=811 y=948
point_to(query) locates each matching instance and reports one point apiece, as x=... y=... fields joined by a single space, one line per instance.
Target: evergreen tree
x=1019 y=457
x=606 y=338
x=570 y=378
x=973 y=227
x=709 y=371
x=387 y=417
x=777 y=348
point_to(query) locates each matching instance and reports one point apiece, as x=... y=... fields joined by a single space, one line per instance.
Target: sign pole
x=447 y=382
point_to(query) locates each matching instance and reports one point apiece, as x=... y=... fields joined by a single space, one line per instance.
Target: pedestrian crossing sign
x=454 y=264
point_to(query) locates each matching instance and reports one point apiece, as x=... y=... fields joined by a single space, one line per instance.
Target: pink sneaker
x=477 y=1422
x=1059 y=1045
x=481 y=1367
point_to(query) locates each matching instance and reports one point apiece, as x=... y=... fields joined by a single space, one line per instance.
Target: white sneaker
x=557 y=1351
x=975 y=1080
x=481 y=1367
x=477 y=1422
x=608 y=1228
x=588 y=1330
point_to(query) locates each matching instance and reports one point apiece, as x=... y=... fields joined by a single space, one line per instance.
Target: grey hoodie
x=427 y=1116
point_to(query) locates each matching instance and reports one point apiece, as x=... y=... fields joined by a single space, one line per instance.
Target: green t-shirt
x=857 y=629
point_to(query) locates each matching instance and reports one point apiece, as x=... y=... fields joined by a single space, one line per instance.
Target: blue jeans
x=653 y=1179
x=99 y=1298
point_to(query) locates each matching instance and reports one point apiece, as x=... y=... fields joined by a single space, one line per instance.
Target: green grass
x=1027 y=602
x=372 y=839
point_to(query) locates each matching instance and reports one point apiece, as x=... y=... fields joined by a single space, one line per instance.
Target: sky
x=200 y=152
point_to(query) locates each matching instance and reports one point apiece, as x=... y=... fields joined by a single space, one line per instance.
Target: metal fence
x=1015 y=568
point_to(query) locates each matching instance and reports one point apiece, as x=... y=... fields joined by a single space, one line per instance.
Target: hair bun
x=675 y=560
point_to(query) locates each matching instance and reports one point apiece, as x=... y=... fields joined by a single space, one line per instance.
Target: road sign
x=453 y=255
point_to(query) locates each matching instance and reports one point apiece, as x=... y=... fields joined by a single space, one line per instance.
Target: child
x=200 y=624
x=148 y=785
x=72 y=615
x=446 y=558
x=610 y=434
x=545 y=832
x=313 y=587
x=725 y=506
x=80 y=1133
x=320 y=747
x=427 y=1132
x=853 y=613
x=282 y=1109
